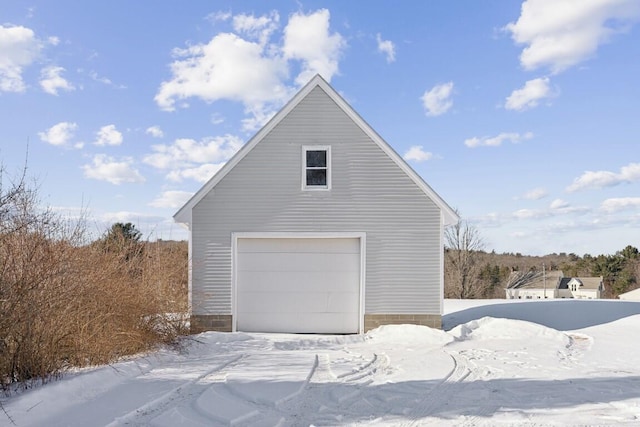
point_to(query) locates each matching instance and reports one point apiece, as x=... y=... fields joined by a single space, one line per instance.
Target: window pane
x=317 y=177
x=316 y=159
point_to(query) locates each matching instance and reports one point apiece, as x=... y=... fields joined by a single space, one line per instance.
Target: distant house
x=553 y=285
x=315 y=226
x=633 y=295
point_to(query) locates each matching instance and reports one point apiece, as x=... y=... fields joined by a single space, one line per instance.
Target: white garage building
x=315 y=226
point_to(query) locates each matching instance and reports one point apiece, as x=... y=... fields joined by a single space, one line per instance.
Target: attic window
x=316 y=167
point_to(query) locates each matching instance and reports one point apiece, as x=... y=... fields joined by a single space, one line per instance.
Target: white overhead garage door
x=299 y=285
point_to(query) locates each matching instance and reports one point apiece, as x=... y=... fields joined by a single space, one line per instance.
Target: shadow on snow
x=562 y=315
x=324 y=403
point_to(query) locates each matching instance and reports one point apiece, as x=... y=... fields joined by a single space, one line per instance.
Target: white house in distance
x=633 y=295
x=553 y=284
x=315 y=226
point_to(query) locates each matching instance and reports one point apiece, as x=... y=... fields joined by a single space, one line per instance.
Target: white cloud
x=200 y=173
x=257 y=119
x=171 y=199
x=557 y=207
x=53 y=40
x=250 y=69
x=19 y=48
x=559 y=34
x=259 y=28
x=108 y=135
x=529 y=214
x=94 y=76
x=105 y=168
x=559 y=204
x=228 y=67
x=437 y=100
x=218 y=16
x=190 y=159
x=186 y=151
x=631 y=172
x=387 y=47
x=535 y=194
x=417 y=153
x=496 y=141
x=601 y=179
x=155 y=132
x=594 y=179
x=530 y=95
x=51 y=80
x=308 y=38
x=104 y=80
x=620 y=204
x=59 y=134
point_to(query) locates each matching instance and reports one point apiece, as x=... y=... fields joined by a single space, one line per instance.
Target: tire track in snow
x=188 y=391
x=568 y=357
x=366 y=372
x=328 y=398
x=439 y=396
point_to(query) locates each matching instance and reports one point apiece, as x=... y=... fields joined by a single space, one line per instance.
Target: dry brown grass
x=67 y=302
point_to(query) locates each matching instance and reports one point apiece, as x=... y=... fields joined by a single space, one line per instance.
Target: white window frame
x=327 y=149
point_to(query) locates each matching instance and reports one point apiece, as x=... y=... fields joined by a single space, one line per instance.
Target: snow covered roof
x=537 y=280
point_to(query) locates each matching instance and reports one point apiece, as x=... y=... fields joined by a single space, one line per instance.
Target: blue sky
x=523 y=116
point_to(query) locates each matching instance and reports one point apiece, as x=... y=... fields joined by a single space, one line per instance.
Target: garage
x=298 y=284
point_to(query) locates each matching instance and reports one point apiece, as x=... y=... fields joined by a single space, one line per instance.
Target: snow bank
x=489 y=328
x=408 y=334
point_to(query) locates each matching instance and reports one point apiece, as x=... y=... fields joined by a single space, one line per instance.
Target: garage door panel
x=297 y=245
x=289 y=261
x=297 y=302
x=337 y=323
x=298 y=285
x=298 y=281
x=282 y=302
x=342 y=302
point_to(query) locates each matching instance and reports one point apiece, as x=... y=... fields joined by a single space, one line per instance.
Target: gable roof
x=536 y=280
x=553 y=279
x=184 y=214
x=588 y=282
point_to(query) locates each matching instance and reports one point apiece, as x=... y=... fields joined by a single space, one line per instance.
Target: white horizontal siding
x=370 y=194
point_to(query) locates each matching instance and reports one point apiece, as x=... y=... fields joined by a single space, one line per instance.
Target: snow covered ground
x=500 y=362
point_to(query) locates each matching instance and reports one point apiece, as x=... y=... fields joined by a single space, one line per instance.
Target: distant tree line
x=472 y=272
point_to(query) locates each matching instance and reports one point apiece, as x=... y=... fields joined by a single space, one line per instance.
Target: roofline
x=183 y=215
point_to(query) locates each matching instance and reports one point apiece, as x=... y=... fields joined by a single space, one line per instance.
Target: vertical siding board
x=370 y=193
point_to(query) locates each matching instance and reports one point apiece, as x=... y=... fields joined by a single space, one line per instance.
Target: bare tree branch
x=463 y=244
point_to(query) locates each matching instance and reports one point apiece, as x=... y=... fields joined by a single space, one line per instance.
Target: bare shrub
x=66 y=302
